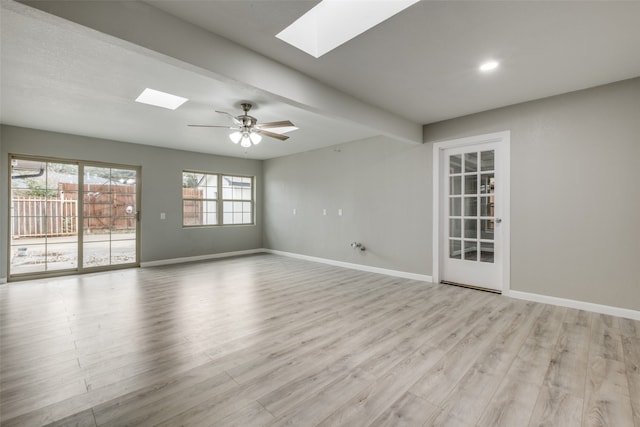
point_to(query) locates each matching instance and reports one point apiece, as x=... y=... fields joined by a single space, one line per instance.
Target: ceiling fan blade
x=212 y=126
x=271 y=134
x=270 y=125
x=232 y=117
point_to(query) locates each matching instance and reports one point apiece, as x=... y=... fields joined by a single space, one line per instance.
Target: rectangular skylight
x=160 y=99
x=332 y=23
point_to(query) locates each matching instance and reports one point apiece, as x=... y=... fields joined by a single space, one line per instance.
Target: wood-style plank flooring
x=266 y=340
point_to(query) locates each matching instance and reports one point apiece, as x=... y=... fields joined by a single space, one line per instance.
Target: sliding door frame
x=80 y=268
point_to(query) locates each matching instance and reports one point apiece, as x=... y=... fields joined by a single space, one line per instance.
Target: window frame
x=220 y=200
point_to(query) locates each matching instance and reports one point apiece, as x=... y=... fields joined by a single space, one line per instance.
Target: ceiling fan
x=247 y=131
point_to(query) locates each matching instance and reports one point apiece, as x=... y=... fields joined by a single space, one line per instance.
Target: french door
x=472 y=212
x=68 y=217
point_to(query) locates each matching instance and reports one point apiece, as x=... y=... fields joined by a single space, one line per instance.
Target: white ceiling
x=65 y=79
x=420 y=65
x=423 y=62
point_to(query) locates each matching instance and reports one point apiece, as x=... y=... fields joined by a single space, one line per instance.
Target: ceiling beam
x=155 y=31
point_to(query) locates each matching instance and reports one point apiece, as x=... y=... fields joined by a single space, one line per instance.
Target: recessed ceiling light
x=489 y=65
x=331 y=23
x=160 y=99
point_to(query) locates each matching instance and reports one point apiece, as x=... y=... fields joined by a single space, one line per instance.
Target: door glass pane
x=455 y=208
x=123 y=250
x=455 y=249
x=486 y=229
x=471 y=250
x=486 y=252
x=43 y=216
x=123 y=178
x=486 y=206
x=455 y=164
x=471 y=162
x=470 y=206
x=486 y=183
x=28 y=257
x=62 y=256
x=471 y=184
x=454 y=228
x=96 y=253
x=487 y=160
x=455 y=185
x=470 y=228
x=110 y=216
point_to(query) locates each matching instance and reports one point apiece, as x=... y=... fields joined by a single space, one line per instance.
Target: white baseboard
x=581 y=305
x=394 y=273
x=199 y=258
x=3 y=280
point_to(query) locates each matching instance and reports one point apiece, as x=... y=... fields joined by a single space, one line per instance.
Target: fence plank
x=40 y=217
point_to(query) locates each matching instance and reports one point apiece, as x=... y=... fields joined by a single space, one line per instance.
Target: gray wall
x=575 y=191
x=575 y=201
x=161 y=190
x=575 y=198
x=382 y=186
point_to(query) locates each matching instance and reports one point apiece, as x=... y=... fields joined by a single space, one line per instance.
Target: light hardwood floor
x=271 y=341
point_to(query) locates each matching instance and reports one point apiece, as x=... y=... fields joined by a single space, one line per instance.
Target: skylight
x=160 y=99
x=332 y=23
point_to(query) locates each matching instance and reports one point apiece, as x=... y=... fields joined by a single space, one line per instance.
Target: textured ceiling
x=420 y=65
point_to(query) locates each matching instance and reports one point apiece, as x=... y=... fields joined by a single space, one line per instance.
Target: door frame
x=80 y=268
x=503 y=140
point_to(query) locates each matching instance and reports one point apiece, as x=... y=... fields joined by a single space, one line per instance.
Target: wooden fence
x=38 y=217
x=192 y=206
x=107 y=207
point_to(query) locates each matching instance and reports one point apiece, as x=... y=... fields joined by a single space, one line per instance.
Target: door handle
x=498 y=220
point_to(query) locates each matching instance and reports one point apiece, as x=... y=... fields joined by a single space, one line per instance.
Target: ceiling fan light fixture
x=247 y=132
x=235 y=137
x=489 y=66
x=255 y=138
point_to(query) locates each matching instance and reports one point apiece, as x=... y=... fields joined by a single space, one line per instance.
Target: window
x=237 y=200
x=215 y=199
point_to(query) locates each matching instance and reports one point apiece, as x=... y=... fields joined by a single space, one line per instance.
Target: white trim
x=504 y=140
x=505 y=147
x=199 y=258
x=3 y=280
x=394 y=273
x=580 y=305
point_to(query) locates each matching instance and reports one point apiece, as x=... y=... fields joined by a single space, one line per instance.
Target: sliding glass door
x=43 y=217
x=110 y=216
x=68 y=216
